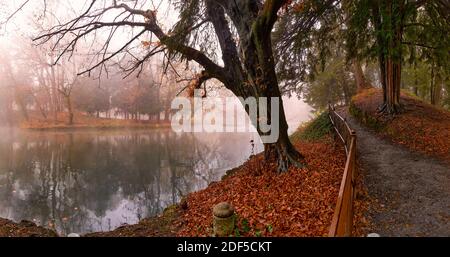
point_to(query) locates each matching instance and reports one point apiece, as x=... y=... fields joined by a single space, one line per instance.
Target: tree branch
x=418 y=44
x=93 y=24
x=230 y=55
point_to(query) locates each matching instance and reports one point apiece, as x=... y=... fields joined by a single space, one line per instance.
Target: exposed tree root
x=389 y=110
x=381 y=108
x=285 y=156
x=285 y=160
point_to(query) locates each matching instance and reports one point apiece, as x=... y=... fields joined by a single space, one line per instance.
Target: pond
x=96 y=181
x=89 y=181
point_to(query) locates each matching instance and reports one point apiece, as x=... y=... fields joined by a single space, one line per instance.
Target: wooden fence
x=342 y=222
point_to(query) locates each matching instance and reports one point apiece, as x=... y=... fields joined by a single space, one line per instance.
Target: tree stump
x=223 y=223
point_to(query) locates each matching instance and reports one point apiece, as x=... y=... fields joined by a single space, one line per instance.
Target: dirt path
x=414 y=190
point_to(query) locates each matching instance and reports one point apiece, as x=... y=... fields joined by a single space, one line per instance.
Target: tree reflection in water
x=95 y=181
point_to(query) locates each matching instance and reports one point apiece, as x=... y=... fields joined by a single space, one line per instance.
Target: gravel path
x=413 y=190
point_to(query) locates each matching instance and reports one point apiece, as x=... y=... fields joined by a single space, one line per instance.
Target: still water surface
x=96 y=181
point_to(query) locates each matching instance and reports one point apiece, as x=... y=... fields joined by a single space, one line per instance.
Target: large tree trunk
x=393 y=79
x=253 y=73
x=376 y=19
x=263 y=78
x=390 y=49
x=283 y=152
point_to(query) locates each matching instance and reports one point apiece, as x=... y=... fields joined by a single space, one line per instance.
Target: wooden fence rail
x=342 y=222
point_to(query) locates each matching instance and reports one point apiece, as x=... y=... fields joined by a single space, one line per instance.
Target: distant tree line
x=32 y=87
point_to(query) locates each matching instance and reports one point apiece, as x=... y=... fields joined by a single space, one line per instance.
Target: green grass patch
x=313 y=130
x=410 y=94
x=366 y=118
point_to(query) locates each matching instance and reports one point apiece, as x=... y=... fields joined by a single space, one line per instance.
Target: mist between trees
x=31 y=88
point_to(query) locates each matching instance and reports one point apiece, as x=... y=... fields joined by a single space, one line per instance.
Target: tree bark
x=41 y=109
x=432 y=83
x=19 y=99
x=347 y=95
x=166 y=114
x=393 y=78
x=416 y=82
x=253 y=75
x=69 y=109
x=435 y=86
x=376 y=19
x=361 y=82
x=390 y=49
x=54 y=94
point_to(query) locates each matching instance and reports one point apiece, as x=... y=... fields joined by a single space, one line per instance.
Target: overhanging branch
x=76 y=29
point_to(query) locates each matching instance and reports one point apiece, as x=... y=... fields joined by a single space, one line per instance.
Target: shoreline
x=159 y=225
x=137 y=126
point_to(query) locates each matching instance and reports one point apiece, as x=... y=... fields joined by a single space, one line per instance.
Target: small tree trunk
x=167 y=113
x=69 y=109
x=9 y=113
x=54 y=95
x=415 y=88
x=437 y=89
x=360 y=79
x=41 y=109
x=19 y=101
x=346 y=91
x=24 y=110
x=432 y=84
x=166 y=116
x=435 y=86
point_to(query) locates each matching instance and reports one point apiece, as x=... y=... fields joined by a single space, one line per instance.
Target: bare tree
x=241 y=28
